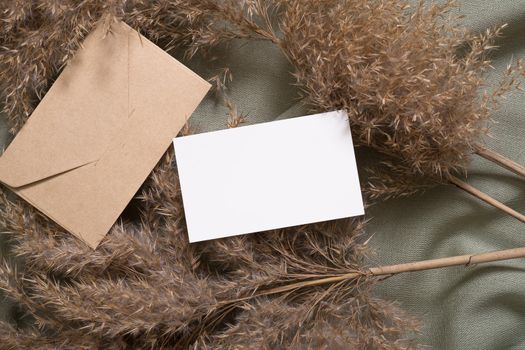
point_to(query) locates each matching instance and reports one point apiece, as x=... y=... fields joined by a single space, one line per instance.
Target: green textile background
x=478 y=307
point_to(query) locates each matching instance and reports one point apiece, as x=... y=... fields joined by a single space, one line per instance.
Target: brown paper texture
x=100 y=130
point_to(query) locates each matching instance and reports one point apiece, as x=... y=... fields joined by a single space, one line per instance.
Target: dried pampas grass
x=146 y=287
x=410 y=96
x=411 y=79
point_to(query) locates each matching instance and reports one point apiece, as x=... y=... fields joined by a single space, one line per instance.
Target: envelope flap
x=78 y=117
x=30 y=159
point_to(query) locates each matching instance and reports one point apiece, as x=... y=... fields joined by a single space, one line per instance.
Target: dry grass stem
x=486 y=198
x=467 y=260
x=502 y=161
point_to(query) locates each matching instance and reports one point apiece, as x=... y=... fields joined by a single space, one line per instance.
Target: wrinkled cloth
x=475 y=307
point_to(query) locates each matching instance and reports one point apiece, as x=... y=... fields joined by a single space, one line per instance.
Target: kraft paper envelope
x=100 y=130
x=268 y=176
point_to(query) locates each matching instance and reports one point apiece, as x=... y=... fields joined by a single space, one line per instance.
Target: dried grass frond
x=411 y=79
x=280 y=324
x=147 y=287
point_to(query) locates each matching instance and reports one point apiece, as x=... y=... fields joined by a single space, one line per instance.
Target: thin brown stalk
x=486 y=198
x=468 y=259
x=497 y=158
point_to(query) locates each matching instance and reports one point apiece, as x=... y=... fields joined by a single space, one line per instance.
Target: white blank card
x=267 y=176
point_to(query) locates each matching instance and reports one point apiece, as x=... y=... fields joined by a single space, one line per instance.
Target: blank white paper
x=267 y=176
